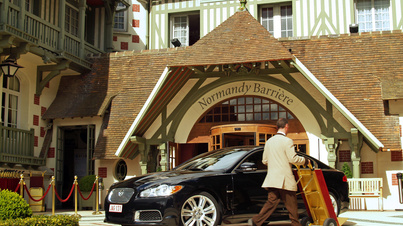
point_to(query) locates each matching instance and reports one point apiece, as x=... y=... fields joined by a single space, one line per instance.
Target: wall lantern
x=353 y=28
x=9 y=67
x=176 y=42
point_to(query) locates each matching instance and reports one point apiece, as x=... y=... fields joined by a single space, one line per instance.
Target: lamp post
x=9 y=67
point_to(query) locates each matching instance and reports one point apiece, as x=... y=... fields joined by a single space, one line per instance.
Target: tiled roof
x=132 y=77
x=81 y=95
x=239 y=39
x=360 y=71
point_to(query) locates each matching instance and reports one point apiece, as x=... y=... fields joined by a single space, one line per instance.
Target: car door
x=248 y=196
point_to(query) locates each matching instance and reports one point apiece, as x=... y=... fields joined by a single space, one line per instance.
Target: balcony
x=37 y=32
x=17 y=147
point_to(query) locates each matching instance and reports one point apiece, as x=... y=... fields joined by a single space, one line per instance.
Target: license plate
x=115 y=208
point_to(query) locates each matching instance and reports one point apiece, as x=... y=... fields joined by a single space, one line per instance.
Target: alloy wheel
x=200 y=210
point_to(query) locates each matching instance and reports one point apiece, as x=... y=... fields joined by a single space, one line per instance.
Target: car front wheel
x=199 y=210
x=335 y=203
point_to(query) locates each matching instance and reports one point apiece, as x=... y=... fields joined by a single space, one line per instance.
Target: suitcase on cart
x=315 y=194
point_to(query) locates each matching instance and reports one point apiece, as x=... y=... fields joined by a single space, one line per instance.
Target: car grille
x=120 y=195
x=148 y=215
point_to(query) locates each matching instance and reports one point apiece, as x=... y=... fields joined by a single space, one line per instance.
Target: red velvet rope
x=37 y=200
x=18 y=186
x=92 y=190
x=68 y=197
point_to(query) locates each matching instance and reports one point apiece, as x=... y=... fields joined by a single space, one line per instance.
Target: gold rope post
x=97 y=197
x=75 y=195
x=53 y=195
x=22 y=185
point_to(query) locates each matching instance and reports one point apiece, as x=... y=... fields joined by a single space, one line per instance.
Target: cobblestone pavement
x=352 y=218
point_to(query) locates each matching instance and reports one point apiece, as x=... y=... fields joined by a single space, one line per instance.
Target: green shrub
x=43 y=220
x=346 y=170
x=86 y=183
x=12 y=206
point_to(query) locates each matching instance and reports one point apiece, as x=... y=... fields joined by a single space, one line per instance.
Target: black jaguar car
x=221 y=186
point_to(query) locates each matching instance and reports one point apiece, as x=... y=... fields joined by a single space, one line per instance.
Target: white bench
x=362 y=188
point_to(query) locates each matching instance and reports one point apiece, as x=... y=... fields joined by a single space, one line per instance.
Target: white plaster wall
x=28 y=109
x=385 y=169
x=401 y=125
x=126 y=36
x=133 y=170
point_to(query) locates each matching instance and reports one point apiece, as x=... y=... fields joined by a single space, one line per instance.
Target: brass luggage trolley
x=316 y=197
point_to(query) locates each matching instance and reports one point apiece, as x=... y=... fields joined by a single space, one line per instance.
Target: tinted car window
x=218 y=160
x=257 y=159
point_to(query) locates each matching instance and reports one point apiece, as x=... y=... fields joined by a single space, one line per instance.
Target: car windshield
x=215 y=160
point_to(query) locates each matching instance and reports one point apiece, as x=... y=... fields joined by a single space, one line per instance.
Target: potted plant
x=85 y=184
x=346 y=170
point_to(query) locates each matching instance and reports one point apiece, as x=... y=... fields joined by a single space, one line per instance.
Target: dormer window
x=186 y=28
x=120 y=18
x=373 y=15
x=277 y=19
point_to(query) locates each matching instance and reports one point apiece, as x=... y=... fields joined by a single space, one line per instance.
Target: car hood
x=168 y=177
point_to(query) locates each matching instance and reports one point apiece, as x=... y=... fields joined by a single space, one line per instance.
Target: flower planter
x=87 y=204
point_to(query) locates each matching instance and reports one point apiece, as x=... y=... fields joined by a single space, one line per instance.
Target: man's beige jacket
x=279 y=155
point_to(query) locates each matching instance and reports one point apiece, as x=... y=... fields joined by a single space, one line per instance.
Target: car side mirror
x=247 y=167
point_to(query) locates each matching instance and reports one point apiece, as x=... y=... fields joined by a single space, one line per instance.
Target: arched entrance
x=238 y=121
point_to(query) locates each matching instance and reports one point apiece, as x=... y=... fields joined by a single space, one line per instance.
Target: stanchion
x=97 y=197
x=53 y=195
x=22 y=183
x=75 y=196
x=400 y=187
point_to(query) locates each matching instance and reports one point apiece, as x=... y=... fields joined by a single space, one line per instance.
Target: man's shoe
x=251 y=223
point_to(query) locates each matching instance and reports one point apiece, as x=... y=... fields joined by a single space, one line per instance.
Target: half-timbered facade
x=50 y=40
x=333 y=68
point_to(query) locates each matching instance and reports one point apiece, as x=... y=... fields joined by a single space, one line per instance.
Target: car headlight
x=160 y=191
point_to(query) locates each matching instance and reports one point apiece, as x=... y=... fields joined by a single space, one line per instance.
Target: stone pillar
x=355 y=147
x=356 y=167
x=331 y=146
x=143 y=158
x=163 y=153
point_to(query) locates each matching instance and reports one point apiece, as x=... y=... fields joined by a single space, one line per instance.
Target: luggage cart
x=316 y=197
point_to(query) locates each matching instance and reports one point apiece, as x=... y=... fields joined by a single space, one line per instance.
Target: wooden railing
x=362 y=188
x=40 y=32
x=17 y=146
x=46 y=33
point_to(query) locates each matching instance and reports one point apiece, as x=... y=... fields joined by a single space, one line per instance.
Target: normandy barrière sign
x=245 y=88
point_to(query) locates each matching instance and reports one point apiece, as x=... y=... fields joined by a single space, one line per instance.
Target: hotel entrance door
x=240 y=135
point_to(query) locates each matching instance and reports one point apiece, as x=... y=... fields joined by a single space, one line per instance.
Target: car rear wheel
x=335 y=203
x=199 y=210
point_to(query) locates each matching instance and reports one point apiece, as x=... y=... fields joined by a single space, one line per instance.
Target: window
x=9 y=101
x=120 y=18
x=373 y=15
x=257 y=159
x=186 y=28
x=277 y=20
x=71 y=24
x=90 y=16
x=121 y=170
x=247 y=108
x=33 y=6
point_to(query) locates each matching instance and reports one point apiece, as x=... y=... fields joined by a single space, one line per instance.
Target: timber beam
x=54 y=71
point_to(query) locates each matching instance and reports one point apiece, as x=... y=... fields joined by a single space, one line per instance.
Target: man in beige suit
x=279 y=155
